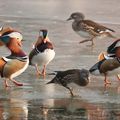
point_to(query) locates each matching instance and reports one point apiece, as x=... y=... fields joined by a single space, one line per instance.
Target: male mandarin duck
x=77 y=76
x=89 y=29
x=42 y=53
x=17 y=62
x=109 y=65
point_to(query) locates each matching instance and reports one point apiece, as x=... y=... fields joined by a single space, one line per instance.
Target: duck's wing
x=96 y=67
x=31 y=55
x=94 y=28
x=64 y=77
x=109 y=65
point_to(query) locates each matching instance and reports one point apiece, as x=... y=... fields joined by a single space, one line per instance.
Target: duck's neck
x=39 y=41
x=15 y=49
x=76 y=24
x=21 y=53
x=42 y=41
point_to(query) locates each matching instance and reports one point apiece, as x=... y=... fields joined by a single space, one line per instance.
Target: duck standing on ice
x=42 y=53
x=17 y=62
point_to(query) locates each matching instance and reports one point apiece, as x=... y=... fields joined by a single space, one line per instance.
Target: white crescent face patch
x=118 y=44
x=16 y=35
x=41 y=33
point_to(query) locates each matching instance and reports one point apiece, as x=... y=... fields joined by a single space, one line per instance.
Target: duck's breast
x=84 y=34
x=43 y=57
x=14 y=67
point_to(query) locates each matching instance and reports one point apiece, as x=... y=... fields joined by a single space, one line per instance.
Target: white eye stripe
x=16 y=35
x=118 y=44
x=41 y=33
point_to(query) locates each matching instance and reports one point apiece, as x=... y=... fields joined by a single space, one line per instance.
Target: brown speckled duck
x=77 y=76
x=89 y=29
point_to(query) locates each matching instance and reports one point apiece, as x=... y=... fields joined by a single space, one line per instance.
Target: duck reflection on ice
x=64 y=108
x=68 y=108
x=14 y=109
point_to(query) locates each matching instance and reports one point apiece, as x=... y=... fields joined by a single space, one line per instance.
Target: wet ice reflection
x=14 y=109
x=59 y=109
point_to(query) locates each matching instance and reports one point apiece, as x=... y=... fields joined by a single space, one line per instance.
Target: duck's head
x=6 y=33
x=77 y=16
x=5 y=39
x=84 y=77
x=17 y=35
x=43 y=35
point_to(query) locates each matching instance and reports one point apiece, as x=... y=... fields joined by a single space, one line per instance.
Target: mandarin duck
x=77 y=76
x=89 y=29
x=110 y=64
x=111 y=52
x=42 y=53
x=17 y=62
